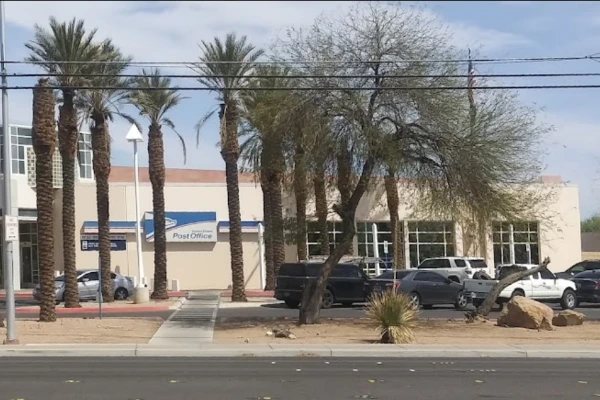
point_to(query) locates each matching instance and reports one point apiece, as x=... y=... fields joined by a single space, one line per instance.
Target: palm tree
x=53 y=50
x=225 y=67
x=100 y=106
x=44 y=142
x=154 y=97
x=266 y=115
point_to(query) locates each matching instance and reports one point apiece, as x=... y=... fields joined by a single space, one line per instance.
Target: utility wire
x=367 y=62
x=337 y=89
x=541 y=75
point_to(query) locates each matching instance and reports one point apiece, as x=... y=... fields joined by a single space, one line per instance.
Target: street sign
x=94 y=245
x=11 y=228
x=385 y=247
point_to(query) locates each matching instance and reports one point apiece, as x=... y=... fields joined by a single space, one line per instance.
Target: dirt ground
x=86 y=330
x=427 y=331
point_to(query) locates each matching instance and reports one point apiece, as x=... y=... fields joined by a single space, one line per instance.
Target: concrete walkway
x=183 y=349
x=192 y=324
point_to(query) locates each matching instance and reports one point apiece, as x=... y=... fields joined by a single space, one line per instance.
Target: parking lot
x=279 y=310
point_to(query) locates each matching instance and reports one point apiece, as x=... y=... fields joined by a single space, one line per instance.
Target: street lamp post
x=141 y=295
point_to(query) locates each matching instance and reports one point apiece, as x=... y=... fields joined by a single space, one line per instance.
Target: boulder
x=568 y=318
x=521 y=312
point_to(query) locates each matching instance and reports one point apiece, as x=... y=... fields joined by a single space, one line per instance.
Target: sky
x=171 y=31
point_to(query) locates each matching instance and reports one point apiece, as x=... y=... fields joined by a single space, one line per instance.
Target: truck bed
x=478 y=285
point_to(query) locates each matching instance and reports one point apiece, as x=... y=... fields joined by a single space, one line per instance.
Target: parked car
x=425 y=288
x=543 y=286
x=586 y=265
x=346 y=283
x=457 y=268
x=87 y=284
x=588 y=286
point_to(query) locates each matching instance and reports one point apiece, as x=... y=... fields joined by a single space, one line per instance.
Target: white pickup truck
x=543 y=286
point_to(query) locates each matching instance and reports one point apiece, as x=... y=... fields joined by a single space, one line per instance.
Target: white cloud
x=171 y=30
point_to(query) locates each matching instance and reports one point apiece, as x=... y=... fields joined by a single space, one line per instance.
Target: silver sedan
x=87 y=284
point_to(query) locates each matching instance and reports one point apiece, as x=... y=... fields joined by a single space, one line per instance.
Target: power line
x=329 y=62
x=321 y=88
x=192 y=76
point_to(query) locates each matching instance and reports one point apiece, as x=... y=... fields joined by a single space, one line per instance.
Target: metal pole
x=261 y=256
x=138 y=217
x=376 y=249
x=8 y=246
x=99 y=287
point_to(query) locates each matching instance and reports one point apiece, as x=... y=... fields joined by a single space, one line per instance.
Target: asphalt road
x=296 y=379
x=356 y=311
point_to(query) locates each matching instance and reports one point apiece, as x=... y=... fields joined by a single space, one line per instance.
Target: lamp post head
x=134 y=134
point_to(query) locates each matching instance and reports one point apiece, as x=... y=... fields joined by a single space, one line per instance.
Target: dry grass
x=90 y=330
x=427 y=331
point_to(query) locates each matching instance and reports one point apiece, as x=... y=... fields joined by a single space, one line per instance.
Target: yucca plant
x=393 y=315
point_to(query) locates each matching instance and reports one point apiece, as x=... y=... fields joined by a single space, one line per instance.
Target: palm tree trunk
x=267 y=235
x=301 y=195
x=393 y=201
x=156 y=170
x=278 y=238
x=101 y=164
x=231 y=154
x=44 y=142
x=68 y=135
x=321 y=209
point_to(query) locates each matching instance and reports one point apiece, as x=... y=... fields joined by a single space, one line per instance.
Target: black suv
x=346 y=283
x=586 y=265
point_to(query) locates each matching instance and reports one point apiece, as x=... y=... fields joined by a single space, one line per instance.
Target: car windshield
x=390 y=275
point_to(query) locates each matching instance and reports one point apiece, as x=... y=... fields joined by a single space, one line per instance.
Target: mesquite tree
x=356 y=61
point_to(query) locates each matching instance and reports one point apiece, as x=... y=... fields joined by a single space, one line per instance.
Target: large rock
x=568 y=318
x=521 y=312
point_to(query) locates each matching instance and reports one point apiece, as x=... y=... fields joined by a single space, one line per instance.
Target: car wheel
x=461 y=301
x=121 y=294
x=415 y=300
x=328 y=299
x=292 y=303
x=568 y=300
x=517 y=293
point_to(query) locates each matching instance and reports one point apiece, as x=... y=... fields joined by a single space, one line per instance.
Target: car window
x=509 y=270
x=590 y=265
x=402 y=274
x=427 y=264
x=478 y=264
x=113 y=275
x=92 y=276
x=444 y=263
x=338 y=271
x=289 y=269
x=460 y=263
x=591 y=274
x=386 y=275
x=429 y=277
x=545 y=274
x=353 y=272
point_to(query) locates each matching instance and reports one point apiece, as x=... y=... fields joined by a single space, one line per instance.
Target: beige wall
x=590 y=255
x=195 y=265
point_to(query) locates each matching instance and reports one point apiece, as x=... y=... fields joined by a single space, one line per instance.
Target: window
x=335 y=237
x=20 y=140
x=526 y=239
x=460 y=263
x=84 y=155
x=429 y=277
x=92 y=276
x=545 y=274
x=587 y=265
x=436 y=263
x=366 y=243
x=591 y=274
x=427 y=239
x=477 y=264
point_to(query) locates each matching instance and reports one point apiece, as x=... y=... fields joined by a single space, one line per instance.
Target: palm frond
x=200 y=124
x=168 y=123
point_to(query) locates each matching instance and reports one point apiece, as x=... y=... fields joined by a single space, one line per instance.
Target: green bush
x=393 y=316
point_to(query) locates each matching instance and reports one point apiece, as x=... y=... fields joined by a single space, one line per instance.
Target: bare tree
x=426 y=132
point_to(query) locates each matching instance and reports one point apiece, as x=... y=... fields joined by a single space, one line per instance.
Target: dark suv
x=586 y=265
x=346 y=283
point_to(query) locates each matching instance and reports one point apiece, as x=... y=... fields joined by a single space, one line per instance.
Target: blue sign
x=185 y=226
x=94 y=245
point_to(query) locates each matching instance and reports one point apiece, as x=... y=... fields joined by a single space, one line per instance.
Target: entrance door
x=26 y=264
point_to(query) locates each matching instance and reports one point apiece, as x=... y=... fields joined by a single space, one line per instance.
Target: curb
x=108 y=309
x=273 y=351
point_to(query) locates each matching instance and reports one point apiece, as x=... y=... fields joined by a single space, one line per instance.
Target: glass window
x=591 y=265
x=84 y=156
x=335 y=237
x=429 y=277
x=526 y=244
x=366 y=243
x=460 y=263
x=92 y=276
x=545 y=274
x=429 y=239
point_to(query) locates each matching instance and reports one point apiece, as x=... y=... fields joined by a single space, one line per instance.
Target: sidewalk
x=291 y=350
